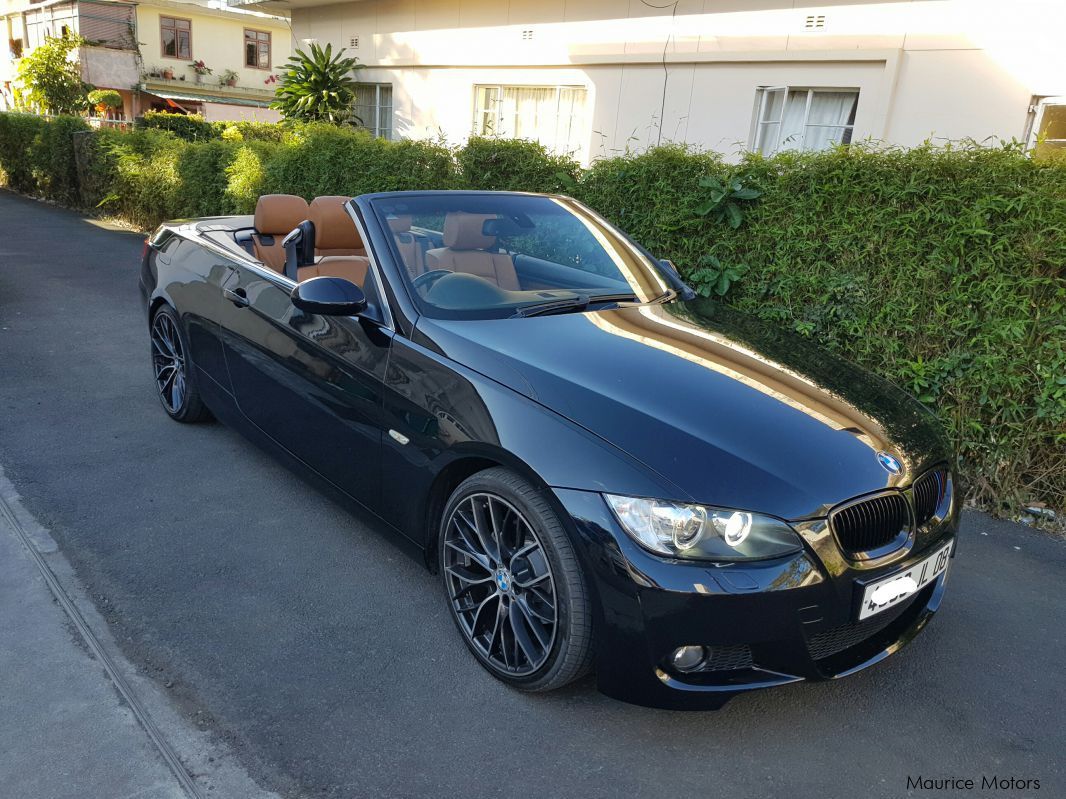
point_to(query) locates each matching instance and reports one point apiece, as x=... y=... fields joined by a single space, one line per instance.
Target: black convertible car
x=607 y=472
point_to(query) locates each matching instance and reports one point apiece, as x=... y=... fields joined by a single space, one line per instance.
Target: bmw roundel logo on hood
x=890 y=462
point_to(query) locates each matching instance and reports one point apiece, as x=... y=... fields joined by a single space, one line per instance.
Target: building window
x=177 y=37
x=551 y=115
x=803 y=119
x=257 y=49
x=1048 y=127
x=373 y=106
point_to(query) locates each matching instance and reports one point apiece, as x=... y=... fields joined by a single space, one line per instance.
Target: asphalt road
x=325 y=657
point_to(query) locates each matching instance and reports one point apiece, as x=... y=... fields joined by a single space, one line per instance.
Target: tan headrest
x=279 y=214
x=334 y=228
x=400 y=224
x=462 y=231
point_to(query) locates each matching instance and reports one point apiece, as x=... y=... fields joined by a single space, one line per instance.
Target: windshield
x=487 y=256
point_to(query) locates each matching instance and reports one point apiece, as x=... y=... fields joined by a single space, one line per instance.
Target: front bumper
x=767 y=623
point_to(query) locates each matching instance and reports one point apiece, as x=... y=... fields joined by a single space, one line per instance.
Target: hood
x=730 y=410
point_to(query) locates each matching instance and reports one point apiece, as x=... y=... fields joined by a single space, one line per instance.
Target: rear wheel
x=514 y=584
x=175 y=377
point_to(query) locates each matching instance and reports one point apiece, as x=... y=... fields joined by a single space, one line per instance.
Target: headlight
x=698 y=532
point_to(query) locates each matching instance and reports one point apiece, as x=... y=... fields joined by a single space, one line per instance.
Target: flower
x=200 y=68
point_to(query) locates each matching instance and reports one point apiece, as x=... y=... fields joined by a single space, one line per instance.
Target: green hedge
x=942 y=269
x=37 y=155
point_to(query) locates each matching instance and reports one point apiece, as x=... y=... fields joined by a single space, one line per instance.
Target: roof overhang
x=180 y=97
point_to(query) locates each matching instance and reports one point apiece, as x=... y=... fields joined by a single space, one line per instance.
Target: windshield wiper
x=578 y=303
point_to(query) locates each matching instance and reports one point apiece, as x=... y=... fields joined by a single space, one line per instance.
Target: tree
x=52 y=79
x=318 y=86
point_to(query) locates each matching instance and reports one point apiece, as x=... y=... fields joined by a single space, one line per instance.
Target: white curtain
x=830 y=112
x=544 y=114
x=792 y=122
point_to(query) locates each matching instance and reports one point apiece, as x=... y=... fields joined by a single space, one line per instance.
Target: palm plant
x=318 y=86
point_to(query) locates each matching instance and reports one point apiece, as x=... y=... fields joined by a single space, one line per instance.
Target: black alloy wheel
x=174 y=380
x=514 y=585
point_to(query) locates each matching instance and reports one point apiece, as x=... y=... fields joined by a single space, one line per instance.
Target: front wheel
x=514 y=584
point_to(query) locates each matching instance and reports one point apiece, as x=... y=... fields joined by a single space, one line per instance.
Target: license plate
x=892 y=590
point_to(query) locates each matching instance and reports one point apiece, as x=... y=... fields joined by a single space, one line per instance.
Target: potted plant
x=228 y=78
x=105 y=101
x=168 y=73
x=201 y=69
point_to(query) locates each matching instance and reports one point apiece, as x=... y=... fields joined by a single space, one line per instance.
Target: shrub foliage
x=942 y=269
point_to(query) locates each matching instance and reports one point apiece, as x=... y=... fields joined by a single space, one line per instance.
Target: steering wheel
x=427 y=279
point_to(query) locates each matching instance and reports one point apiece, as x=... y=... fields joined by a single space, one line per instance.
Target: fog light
x=688 y=658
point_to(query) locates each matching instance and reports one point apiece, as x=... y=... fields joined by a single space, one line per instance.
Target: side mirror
x=669 y=265
x=329 y=296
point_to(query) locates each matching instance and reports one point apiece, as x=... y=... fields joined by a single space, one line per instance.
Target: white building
x=598 y=77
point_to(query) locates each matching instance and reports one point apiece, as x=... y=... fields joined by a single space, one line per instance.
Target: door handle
x=238 y=297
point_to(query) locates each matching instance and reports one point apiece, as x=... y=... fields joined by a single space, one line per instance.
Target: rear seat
x=275 y=216
x=337 y=240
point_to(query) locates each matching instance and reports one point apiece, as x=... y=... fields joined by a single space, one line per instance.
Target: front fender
x=438 y=412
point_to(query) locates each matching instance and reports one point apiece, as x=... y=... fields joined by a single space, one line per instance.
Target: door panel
x=312 y=383
x=191 y=277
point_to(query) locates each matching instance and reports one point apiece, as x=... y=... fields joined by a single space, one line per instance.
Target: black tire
x=529 y=561
x=175 y=374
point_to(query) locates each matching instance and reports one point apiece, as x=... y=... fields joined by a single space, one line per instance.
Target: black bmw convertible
x=607 y=472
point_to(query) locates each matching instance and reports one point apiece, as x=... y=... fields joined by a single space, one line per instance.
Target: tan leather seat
x=335 y=232
x=276 y=215
x=350 y=267
x=466 y=249
x=410 y=247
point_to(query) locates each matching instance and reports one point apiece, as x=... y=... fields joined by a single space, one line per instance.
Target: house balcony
x=210 y=90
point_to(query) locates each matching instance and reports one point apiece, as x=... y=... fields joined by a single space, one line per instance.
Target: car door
x=312 y=383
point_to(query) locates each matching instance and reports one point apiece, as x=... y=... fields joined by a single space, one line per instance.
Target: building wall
x=217 y=40
x=225 y=112
x=925 y=69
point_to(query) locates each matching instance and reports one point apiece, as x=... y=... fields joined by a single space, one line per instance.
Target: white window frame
x=480 y=115
x=1037 y=119
x=377 y=127
x=761 y=123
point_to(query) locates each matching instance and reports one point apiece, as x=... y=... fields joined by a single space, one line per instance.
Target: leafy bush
x=37 y=155
x=51 y=74
x=140 y=171
x=17 y=133
x=317 y=85
x=246 y=176
x=202 y=172
x=515 y=164
x=191 y=127
x=245 y=130
x=55 y=170
x=105 y=97
x=322 y=159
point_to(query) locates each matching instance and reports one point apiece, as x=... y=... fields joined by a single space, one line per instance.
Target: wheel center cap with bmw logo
x=890 y=462
x=503 y=580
